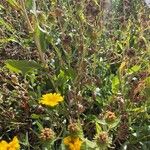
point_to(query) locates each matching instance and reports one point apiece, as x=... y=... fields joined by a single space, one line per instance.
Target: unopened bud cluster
x=102 y=138
x=47 y=134
x=110 y=116
x=73 y=127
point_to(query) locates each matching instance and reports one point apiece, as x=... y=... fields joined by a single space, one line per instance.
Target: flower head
x=110 y=116
x=73 y=143
x=3 y=145
x=73 y=127
x=47 y=134
x=103 y=140
x=51 y=99
x=103 y=137
x=13 y=145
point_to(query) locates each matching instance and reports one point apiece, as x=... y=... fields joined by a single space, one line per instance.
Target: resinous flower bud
x=110 y=117
x=75 y=129
x=103 y=140
x=47 y=134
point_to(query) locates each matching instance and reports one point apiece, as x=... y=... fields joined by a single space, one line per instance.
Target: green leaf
x=27 y=140
x=14 y=3
x=88 y=145
x=98 y=128
x=1 y=7
x=63 y=146
x=94 y=118
x=119 y=45
x=81 y=16
x=22 y=66
x=29 y=4
x=6 y=25
x=35 y=116
x=114 y=124
x=147 y=87
x=7 y=40
x=40 y=36
x=50 y=40
x=134 y=69
x=115 y=84
x=40 y=126
x=71 y=73
x=102 y=122
x=62 y=78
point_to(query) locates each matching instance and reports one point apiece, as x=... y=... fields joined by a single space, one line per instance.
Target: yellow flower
x=3 y=145
x=13 y=145
x=73 y=143
x=51 y=99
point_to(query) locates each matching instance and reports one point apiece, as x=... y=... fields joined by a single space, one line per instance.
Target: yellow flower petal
x=13 y=145
x=73 y=143
x=3 y=145
x=51 y=99
x=67 y=140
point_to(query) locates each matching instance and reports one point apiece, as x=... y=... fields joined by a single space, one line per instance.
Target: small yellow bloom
x=73 y=143
x=13 y=145
x=3 y=145
x=51 y=99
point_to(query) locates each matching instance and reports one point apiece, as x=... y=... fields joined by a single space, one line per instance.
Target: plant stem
x=31 y=29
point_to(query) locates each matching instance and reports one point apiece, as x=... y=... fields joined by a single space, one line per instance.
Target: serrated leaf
x=21 y=66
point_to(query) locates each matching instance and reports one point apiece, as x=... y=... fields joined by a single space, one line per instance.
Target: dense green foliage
x=97 y=57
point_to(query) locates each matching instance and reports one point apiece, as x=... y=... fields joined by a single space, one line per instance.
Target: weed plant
x=74 y=74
